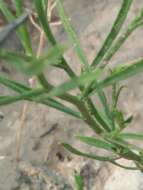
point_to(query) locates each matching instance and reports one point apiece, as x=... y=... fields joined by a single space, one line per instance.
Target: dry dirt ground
x=44 y=162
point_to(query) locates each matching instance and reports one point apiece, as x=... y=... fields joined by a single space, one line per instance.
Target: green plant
x=108 y=124
x=79 y=181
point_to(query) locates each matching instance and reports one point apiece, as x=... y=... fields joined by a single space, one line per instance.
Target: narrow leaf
x=72 y=35
x=123 y=143
x=102 y=119
x=42 y=16
x=18 y=87
x=128 y=120
x=123 y=73
x=75 y=82
x=79 y=181
x=79 y=153
x=6 y=12
x=126 y=4
x=59 y=106
x=23 y=30
x=23 y=96
x=124 y=167
x=133 y=136
x=30 y=65
x=96 y=142
x=135 y=23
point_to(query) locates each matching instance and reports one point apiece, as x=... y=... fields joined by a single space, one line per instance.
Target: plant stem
x=63 y=64
x=99 y=118
x=81 y=105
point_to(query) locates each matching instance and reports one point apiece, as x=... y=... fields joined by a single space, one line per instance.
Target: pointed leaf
x=126 y=4
x=23 y=30
x=75 y=82
x=59 y=106
x=6 y=12
x=72 y=35
x=18 y=87
x=124 y=167
x=123 y=73
x=128 y=120
x=79 y=181
x=123 y=143
x=23 y=96
x=42 y=16
x=92 y=156
x=30 y=65
x=133 y=136
x=92 y=141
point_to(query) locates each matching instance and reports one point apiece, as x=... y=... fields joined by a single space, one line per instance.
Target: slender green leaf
x=23 y=30
x=75 y=82
x=6 y=12
x=72 y=35
x=128 y=120
x=96 y=142
x=4 y=100
x=79 y=153
x=45 y=5
x=126 y=4
x=125 y=149
x=18 y=5
x=123 y=73
x=20 y=88
x=23 y=96
x=30 y=65
x=59 y=106
x=26 y=64
x=42 y=16
x=137 y=22
x=123 y=143
x=103 y=99
x=124 y=167
x=102 y=119
x=116 y=94
x=79 y=181
x=13 y=85
x=133 y=136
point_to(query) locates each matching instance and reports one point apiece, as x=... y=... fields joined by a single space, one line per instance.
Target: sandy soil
x=43 y=161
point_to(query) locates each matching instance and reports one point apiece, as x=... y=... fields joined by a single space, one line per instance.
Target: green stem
x=97 y=115
x=88 y=117
x=69 y=71
x=78 y=103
